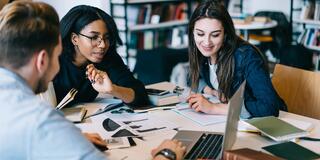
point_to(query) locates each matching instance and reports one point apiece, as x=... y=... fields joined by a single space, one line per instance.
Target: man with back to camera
x=30 y=45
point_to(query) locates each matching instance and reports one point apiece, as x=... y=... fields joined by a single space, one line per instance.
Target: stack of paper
x=201 y=118
x=166 y=99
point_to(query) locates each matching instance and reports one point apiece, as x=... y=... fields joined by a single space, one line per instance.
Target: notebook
x=199 y=117
x=75 y=114
x=162 y=100
x=210 y=145
x=276 y=128
x=247 y=154
x=166 y=98
x=291 y=151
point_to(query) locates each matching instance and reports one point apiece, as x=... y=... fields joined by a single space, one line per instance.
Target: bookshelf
x=309 y=18
x=146 y=27
x=147 y=24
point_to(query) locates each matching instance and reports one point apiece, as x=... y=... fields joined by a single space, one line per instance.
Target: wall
x=63 y=6
x=252 y=6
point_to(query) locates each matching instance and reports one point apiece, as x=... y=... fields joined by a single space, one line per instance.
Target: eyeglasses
x=96 y=40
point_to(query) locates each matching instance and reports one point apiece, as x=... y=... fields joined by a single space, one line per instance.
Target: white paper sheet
x=141 y=124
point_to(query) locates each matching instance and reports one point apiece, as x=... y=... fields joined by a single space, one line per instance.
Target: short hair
x=78 y=18
x=25 y=28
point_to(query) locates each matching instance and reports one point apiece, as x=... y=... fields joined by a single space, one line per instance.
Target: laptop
x=210 y=145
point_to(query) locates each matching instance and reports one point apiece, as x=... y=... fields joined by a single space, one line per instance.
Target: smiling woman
x=223 y=61
x=89 y=61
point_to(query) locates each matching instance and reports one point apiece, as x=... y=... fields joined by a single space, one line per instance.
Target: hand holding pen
x=99 y=79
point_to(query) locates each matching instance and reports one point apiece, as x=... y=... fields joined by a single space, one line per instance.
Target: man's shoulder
x=29 y=107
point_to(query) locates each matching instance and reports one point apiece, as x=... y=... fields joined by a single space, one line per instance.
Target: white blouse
x=213 y=76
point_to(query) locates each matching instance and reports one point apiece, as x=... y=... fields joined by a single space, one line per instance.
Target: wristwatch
x=169 y=154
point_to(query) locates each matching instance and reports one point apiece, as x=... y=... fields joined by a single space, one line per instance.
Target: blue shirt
x=260 y=98
x=32 y=129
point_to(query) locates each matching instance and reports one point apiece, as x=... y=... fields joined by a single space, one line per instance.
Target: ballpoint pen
x=105 y=109
x=309 y=139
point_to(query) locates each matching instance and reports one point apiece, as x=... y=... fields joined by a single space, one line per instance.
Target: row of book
x=141 y=18
x=310 y=38
x=155 y=14
x=311 y=10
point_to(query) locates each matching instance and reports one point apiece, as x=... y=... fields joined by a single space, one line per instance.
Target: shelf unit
x=147 y=27
x=306 y=23
x=128 y=30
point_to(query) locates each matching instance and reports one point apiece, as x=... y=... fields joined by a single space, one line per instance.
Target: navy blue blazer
x=260 y=97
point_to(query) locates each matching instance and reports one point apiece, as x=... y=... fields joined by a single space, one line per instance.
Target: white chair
x=49 y=95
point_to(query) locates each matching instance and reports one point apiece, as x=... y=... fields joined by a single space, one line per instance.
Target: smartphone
x=157 y=92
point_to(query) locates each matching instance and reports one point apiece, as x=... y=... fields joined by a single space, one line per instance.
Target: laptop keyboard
x=208 y=146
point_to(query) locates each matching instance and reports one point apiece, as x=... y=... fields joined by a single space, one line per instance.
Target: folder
x=291 y=151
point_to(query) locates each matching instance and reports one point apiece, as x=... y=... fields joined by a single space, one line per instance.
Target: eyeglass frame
x=105 y=39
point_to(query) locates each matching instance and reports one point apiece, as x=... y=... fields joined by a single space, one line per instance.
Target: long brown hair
x=225 y=57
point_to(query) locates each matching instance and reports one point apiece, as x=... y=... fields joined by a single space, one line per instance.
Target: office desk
x=249 y=140
x=254 y=26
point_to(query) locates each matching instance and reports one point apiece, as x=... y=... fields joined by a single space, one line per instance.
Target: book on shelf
x=310 y=38
x=310 y=11
x=276 y=128
x=147 y=16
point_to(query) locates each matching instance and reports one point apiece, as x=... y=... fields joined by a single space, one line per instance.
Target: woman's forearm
x=123 y=93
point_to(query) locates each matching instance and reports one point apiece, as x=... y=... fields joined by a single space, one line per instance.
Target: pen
x=105 y=109
x=309 y=139
x=153 y=109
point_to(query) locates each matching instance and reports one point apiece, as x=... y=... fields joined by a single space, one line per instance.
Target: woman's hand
x=173 y=145
x=208 y=90
x=95 y=139
x=99 y=79
x=200 y=104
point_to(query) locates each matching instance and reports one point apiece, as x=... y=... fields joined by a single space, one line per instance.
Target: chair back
x=282 y=33
x=49 y=95
x=299 y=89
